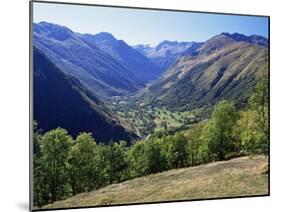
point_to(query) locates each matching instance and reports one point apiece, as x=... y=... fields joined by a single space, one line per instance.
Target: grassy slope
x=194 y=82
x=236 y=177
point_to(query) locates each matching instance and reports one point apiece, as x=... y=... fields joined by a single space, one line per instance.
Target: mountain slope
x=61 y=101
x=167 y=52
x=95 y=69
x=234 y=178
x=222 y=68
x=138 y=64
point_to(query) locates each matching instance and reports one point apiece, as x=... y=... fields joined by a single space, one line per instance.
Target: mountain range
x=144 y=70
x=253 y=39
x=95 y=69
x=77 y=75
x=167 y=52
x=224 y=67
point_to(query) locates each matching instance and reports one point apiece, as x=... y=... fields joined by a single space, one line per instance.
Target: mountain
x=254 y=39
x=167 y=52
x=143 y=48
x=94 y=68
x=60 y=100
x=222 y=68
x=139 y=65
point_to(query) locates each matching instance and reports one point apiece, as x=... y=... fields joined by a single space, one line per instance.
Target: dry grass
x=237 y=177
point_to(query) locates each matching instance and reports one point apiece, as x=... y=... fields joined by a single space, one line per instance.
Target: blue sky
x=136 y=26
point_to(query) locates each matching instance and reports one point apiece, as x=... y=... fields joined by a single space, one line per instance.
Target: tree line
x=63 y=166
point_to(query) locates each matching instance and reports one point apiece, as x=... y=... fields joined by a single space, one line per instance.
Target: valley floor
x=237 y=177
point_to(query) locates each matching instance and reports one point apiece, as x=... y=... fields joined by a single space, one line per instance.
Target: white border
x=14 y=110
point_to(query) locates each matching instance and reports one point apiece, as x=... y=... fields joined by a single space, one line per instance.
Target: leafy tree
x=204 y=154
x=194 y=143
x=137 y=160
x=219 y=131
x=84 y=164
x=41 y=187
x=115 y=166
x=177 y=155
x=249 y=134
x=259 y=102
x=146 y=157
x=155 y=160
x=55 y=146
x=252 y=129
x=40 y=196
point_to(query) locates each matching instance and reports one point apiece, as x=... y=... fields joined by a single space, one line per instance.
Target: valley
x=200 y=75
x=148 y=120
x=167 y=87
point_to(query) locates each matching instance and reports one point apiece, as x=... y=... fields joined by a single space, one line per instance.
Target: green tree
x=177 y=155
x=219 y=131
x=137 y=160
x=146 y=157
x=84 y=164
x=55 y=147
x=40 y=194
x=155 y=160
x=204 y=154
x=41 y=187
x=113 y=157
x=249 y=135
x=259 y=102
x=194 y=143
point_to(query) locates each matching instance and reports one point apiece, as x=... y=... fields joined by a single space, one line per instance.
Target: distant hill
x=222 y=68
x=60 y=100
x=144 y=70
x=234 y=178
x=167 y=52
x=95 y=69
